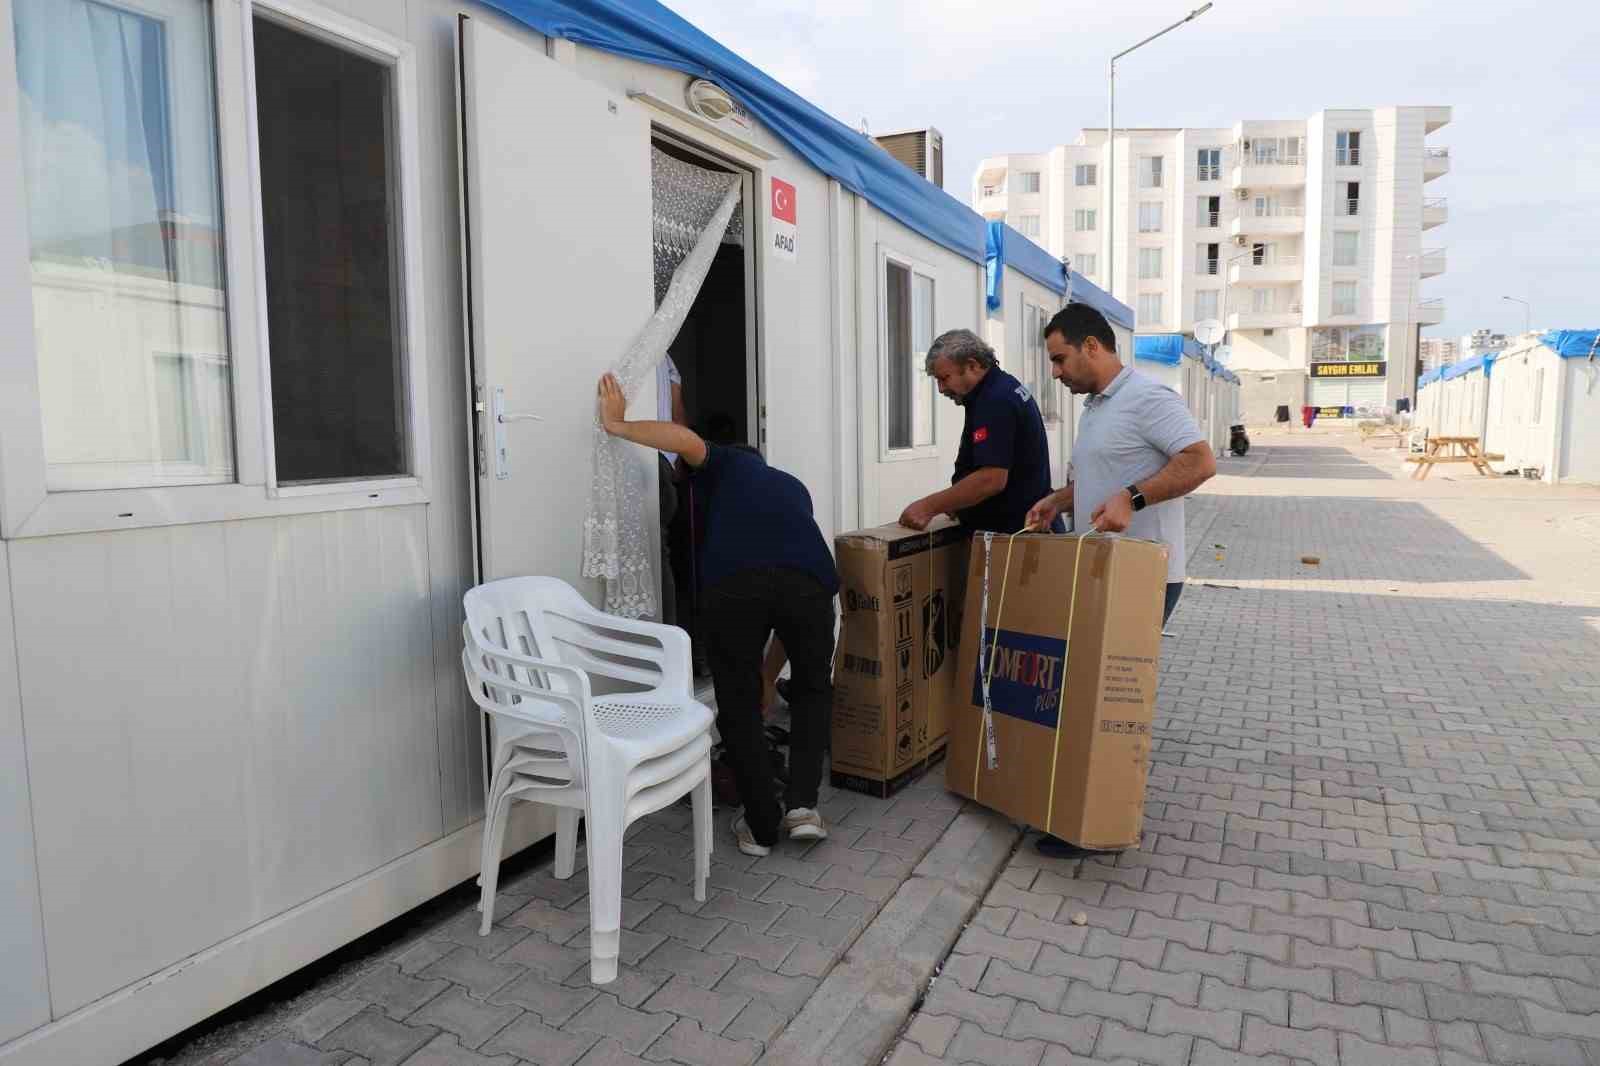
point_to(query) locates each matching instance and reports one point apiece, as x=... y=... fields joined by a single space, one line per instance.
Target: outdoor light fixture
x=709 y=100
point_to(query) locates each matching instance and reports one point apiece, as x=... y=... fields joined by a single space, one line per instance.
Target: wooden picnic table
x=1450 y=450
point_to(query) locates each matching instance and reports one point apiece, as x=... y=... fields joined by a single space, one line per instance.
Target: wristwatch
x=1137 y=497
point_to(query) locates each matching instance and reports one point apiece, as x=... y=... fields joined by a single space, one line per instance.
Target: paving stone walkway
x=1373 y=825
x=709 y=982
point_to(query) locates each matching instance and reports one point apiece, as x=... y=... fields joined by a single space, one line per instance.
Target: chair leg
x=494 y=840
x=566 y=841
x=702 y=834
x=491 y=804
x=604 y=844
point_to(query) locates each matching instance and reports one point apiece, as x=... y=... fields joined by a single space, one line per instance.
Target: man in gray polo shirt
x=1137 y=452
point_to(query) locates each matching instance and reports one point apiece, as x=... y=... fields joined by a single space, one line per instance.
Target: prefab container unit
x=1544 y=406
x=1454 y=400
x=281 y=380
x=1024 y=289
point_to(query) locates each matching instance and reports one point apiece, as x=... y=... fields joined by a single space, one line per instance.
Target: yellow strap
x=1061 y=702
x=988 y=672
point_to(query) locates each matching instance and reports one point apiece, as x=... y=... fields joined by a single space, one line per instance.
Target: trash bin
x=1308 y=415
x=1283 y=413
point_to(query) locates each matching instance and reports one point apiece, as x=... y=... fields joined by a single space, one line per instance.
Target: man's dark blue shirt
x=752 y=516
x=1004 y=429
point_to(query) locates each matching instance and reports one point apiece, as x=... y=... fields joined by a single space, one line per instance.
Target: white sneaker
x=746 y=839
x=804 y=823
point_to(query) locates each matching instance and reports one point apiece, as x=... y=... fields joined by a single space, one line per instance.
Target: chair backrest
x=512 y=661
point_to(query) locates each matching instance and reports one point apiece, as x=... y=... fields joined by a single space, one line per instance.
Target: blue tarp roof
x=647 y=31
x=1167 y=349
x=1005 y=247
x=1430 y=377
x=1572 y=343
x=1468 y=366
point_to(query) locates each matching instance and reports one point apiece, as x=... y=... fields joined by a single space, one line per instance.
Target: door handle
x=502 y=452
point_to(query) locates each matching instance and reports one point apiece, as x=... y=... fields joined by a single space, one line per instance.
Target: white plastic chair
x=531 y=646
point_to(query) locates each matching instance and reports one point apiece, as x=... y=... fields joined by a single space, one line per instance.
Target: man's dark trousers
x=737 y=616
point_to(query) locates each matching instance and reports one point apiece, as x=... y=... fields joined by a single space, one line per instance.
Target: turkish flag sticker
x=783 y=201
x=980 y=434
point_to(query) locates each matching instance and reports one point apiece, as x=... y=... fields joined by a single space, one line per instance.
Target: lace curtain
x=692 y=211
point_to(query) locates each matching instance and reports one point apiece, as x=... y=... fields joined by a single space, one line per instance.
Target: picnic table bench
x=1451 y=450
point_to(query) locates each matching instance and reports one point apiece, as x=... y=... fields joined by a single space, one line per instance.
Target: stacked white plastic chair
x=532 y=648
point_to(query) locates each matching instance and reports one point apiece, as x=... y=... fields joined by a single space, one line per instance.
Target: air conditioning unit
x=1241 y=240
x=1242 y=194
x=921 y=150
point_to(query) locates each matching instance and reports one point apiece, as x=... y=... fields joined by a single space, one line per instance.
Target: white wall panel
x=223 y=721
x=24 y=993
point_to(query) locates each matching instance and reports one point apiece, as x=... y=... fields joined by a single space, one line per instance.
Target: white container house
x=281 y=380
x=1543 y=410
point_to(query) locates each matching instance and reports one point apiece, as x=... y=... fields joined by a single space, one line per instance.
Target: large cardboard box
x=895 y=668
x=1073 y=688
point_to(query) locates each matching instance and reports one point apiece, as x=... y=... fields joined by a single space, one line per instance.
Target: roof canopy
x=647 y=31
x=1005 y=247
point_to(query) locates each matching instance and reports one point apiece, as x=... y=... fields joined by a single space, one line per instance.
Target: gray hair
x=960 y=346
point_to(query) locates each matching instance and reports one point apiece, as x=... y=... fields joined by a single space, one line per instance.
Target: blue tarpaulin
x=1468 y=366
x=1430 y=377
x=1572 y=343
x=1005 y=247
x=1165 y=348
x=647 y=31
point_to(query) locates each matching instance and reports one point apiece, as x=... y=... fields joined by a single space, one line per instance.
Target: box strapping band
x=1061 y=701
x=987 y=740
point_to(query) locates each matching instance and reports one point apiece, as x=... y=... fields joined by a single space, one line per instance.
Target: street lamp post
x=1227 y=283
x=1527 y=312
x=1409 y=366
x=1111 y=144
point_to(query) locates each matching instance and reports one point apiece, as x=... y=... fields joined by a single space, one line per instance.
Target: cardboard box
x=895 y=666
x=1073 y=686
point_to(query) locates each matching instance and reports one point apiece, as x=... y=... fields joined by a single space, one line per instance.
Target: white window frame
x=370 y=43
x=1160 y=260
x=1038 y=225
x=1090 y=264
x=1032 y=178
x=1216 y=301
x=1089 y=170
x=1208 y=171
x=1355 y=299
x=1159 y=319
x=1153 y=168
x=917 y=267
x=1355 y=257
x=27 y=508
x=1158 y=208
x=1036 y=358
x=1080 y=214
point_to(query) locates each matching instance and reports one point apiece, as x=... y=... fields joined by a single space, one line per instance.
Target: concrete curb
x=855 y=1014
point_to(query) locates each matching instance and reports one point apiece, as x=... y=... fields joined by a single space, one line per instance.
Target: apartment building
x=1436 y=353
x=1311 y=239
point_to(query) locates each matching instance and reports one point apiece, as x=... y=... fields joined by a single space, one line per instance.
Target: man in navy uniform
x=1003 y=465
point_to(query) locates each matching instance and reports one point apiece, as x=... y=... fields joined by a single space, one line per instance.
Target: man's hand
x=1043 y=514
x=1115 y=514
x=612 y=404
x=918 y=515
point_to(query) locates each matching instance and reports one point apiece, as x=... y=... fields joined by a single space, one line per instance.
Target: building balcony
x=1284 y=319
x=1434 y=212
x=1280 y=173
x=1434 y=118
x=1431 y=263
x=1280 y=270
x=1431 y=312
x=1285 y=222
x=1435 y=163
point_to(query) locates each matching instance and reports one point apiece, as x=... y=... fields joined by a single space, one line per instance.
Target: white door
x=556 y=198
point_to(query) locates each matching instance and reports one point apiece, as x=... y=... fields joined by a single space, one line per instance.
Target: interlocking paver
x=1001 y=979
x=1085 y=1000
x=1307 y=1012
x=380 y=1039
x=1270 y=1004
x=1076 y=1033
x=471 y=1020
x=1222 y=1027
x=1132 y=978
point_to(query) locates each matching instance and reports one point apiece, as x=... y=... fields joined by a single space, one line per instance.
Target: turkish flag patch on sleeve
x=980 y=434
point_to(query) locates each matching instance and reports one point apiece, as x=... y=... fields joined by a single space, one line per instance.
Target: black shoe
x=1056 y=848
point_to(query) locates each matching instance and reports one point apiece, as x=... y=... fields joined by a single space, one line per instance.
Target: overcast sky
x=998 y=76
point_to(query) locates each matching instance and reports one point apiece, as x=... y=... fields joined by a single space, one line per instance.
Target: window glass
x=332 y=251
x=119 y=158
